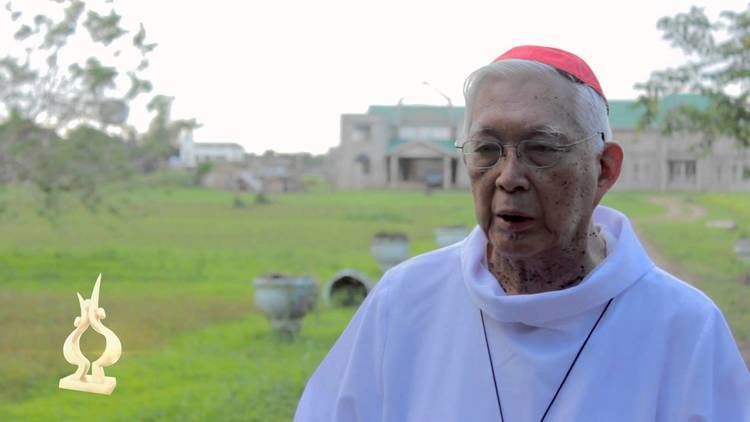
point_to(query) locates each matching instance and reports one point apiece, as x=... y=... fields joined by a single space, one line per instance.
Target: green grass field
x=177 y=272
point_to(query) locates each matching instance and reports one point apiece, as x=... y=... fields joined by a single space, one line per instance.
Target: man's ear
x=610 y=163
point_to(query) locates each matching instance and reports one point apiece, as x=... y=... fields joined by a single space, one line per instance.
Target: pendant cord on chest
x=562 y=383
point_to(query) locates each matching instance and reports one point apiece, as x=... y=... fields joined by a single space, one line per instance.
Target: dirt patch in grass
x=37 y=323
x=676 y=207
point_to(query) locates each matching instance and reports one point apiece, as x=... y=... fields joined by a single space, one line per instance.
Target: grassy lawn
x=233 y=370
x=177 y=272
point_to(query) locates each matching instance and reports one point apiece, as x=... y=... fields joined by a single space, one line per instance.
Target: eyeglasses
x=541 y=152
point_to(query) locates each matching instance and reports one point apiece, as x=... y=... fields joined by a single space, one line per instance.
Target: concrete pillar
x=446 y=172
x=704 y=172
x=393 y=171
x=737 y=173
x=663 y=164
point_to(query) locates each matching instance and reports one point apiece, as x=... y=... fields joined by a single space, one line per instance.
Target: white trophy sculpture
x=80 y=380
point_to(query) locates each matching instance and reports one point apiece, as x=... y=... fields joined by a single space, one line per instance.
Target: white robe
x=415 y=350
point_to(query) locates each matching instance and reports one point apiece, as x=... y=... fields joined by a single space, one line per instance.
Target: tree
x=77 y=164
x=49 y=82
x=718 y=68
x=160 y=141
x=66 y=112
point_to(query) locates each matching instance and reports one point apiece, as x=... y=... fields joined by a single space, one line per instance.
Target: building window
x=746 y=173
x=364 y=161
x=682 y=171
x=690 y=168
x=361 y=132
x=675 y=170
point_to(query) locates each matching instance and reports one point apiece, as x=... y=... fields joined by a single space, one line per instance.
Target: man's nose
x=512 y=172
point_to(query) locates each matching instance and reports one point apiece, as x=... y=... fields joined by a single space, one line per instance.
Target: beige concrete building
x=411 y=146
x=403 y=146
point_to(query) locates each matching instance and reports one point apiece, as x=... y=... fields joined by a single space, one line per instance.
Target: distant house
x=234 y=169
x=410 y=146
x=280 y=172
x=193 y=153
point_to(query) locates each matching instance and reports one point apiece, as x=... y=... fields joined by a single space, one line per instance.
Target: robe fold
x=415 y=350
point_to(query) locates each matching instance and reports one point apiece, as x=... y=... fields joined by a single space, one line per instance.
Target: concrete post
x=393 y=171
x=663 y=164
x=446 y=172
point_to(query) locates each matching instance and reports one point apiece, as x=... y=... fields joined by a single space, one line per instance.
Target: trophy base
x=89 y=386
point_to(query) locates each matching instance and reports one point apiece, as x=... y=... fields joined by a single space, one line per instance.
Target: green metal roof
x=396 y=114
x=623 y=114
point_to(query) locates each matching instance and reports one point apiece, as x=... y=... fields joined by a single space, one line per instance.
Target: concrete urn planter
x=285 y=300
x=448 y=235
x=346 y=288
x=389 y=249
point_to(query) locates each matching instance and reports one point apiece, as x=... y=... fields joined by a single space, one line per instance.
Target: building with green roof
x=413 y=147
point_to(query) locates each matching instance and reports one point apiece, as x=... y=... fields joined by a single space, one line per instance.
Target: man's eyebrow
x=548 y=130
x=489 y=131
x=543 y=129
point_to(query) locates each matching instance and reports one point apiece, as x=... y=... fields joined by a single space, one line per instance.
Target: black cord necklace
x=549 y=406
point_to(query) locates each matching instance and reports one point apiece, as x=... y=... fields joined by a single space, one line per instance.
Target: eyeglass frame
x=560 y=148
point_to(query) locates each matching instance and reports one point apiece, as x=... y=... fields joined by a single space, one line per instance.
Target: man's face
x=524 y=210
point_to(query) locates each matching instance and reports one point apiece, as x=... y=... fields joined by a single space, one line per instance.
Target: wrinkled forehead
x=522 y=101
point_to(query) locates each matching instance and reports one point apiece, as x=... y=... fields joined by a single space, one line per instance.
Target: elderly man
x=550 y=309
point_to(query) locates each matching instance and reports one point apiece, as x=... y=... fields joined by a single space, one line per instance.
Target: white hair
x=589 y=108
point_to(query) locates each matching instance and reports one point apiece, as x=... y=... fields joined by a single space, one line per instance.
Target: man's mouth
x=513 y=221
x=514 y=217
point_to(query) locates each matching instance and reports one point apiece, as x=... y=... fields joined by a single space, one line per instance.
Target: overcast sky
x=278 y=74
